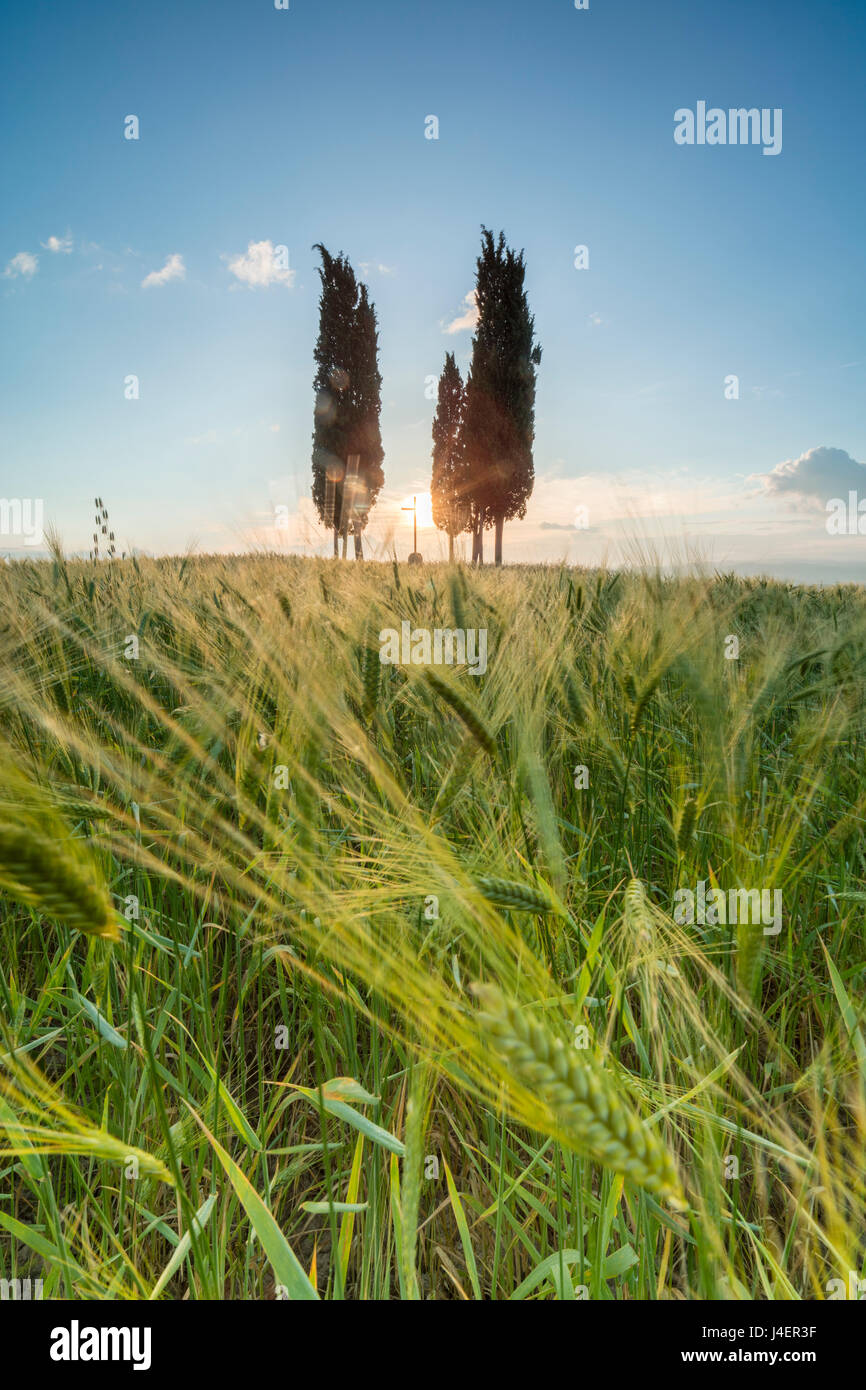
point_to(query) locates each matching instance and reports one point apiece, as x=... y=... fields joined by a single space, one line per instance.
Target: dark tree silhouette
x=499 y=416
x=448 y=486
x=347 y=442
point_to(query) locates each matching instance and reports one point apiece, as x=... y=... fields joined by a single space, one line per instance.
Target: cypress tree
x=499 y=418
x=365 y=435
x=448 y=485
x=336 y=309
x=348 y=389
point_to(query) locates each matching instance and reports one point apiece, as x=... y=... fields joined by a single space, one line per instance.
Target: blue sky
x=284 y=128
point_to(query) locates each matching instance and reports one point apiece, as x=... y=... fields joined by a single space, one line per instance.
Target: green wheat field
x=323 y=978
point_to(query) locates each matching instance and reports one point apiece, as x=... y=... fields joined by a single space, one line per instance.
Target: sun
x=424 y=503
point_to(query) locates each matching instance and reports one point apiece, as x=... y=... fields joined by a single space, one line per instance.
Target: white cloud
x=368 y=267
x=174 y=269
x=595 y=319
x=23 y=264
x=468 y=321
x=261 y=265
x=816 y=476
x=58 y=243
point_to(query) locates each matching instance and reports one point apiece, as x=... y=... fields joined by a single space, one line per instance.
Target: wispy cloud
x=174 y=269
x=468 y=321
x=261 y=265
x=24 y=264
x=58 y=244
x=369 y=267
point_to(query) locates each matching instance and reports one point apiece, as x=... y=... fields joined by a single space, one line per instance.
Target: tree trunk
x=336 y=543
x=359 y=554
x=478 y=543
x=500 y=523
x=450 y=549
x=345 y=540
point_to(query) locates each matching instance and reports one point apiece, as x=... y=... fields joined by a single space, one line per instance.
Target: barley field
x=328 y=978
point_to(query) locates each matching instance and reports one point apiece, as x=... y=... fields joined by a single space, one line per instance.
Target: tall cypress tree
x=365 y=435
x=448 y=485
x=348 y=401
x=499 y=419
x=330 y=434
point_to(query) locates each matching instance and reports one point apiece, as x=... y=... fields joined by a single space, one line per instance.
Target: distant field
x=323 y=976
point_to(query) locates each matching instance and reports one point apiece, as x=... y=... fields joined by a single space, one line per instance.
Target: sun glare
x=424 y=503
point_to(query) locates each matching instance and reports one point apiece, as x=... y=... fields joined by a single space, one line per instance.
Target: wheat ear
x=519 y=896
x=589 y=1111
x=37 y=872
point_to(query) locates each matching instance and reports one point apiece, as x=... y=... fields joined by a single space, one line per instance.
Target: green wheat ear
x=43 y=875
x=371 y=670
x=688 y=820
x=461 y=707
x=592 y=1115
x=519 y=896
x=749 y=960
x=637 y=913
